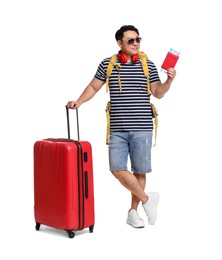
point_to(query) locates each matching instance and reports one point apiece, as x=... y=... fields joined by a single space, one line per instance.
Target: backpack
x=143 y=59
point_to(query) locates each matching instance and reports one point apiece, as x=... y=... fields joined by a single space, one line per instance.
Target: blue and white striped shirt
x=130 y=109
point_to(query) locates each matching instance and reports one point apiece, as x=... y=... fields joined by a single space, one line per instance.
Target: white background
x=49 y=51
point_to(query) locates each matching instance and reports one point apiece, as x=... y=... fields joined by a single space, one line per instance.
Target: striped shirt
x=130 y=109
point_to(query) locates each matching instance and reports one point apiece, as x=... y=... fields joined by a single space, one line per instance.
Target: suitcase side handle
x=68 y=124
x=86 y=185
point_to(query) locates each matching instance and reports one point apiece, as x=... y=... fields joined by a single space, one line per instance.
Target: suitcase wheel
x=71 y=234
x=91 y=228
x=37 y=226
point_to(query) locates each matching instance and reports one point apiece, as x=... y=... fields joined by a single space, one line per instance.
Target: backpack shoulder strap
x=108 y=121
x=143 y=59
x=109 y=70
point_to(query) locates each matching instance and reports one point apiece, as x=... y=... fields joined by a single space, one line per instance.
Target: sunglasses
x=137 y=39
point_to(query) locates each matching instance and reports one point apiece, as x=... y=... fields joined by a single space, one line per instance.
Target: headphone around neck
x=123 y=58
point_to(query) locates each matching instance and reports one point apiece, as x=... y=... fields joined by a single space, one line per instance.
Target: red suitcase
x=63 y=183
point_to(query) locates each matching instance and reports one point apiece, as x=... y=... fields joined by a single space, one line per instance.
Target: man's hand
x=73 y=104
x=171 y=74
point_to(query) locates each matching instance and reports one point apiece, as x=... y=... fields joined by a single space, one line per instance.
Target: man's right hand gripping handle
x=73 y=104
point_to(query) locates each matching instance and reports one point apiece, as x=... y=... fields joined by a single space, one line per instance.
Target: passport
x=170 y=60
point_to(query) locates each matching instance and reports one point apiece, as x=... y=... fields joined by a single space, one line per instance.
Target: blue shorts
x=135 y=144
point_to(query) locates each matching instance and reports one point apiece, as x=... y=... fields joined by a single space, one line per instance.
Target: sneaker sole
x=142 y=226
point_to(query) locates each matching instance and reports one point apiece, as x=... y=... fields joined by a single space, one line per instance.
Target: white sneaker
x=150 y=207
x=134 y=219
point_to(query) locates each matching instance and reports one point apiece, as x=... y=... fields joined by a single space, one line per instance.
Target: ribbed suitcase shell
x=63 y=184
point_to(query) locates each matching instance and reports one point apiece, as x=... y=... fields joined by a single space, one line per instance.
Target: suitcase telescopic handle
x=68 y=124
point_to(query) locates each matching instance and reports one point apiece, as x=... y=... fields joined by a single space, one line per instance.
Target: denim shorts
x=135 y=145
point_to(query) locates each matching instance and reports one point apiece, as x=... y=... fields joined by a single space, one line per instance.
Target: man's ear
x=119 y=42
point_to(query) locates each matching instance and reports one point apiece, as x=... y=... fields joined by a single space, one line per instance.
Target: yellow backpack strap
x=143 y=60
x=155 y=116
x=108 y=121
x=109 y=70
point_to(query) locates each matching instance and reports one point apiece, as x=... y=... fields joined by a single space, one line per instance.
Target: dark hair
x=124 y=28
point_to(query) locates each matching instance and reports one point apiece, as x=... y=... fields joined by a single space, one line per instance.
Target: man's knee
x=117 y=173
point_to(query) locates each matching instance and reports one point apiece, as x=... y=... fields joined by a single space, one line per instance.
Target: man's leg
x=140 y=155
x=130 y=182
x=135 y=185
x=142 y=181
x=119 y=149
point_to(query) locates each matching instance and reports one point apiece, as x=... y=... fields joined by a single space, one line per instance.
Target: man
x=131 y=122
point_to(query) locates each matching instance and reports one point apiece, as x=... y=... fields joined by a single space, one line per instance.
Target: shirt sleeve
x=154 y=76
x=101 y=70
